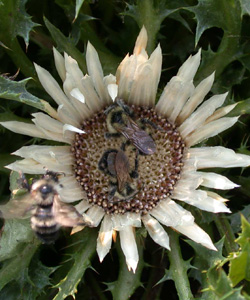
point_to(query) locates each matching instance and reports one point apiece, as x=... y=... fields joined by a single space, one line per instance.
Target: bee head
x=45 y=190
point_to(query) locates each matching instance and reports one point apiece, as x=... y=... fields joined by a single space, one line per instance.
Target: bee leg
x=124 y=145
x=112 y=193
x=109 y=135
x=23 y=181
x=134 y=173
x=152 y=124
x=131 y=192
x=109 y=109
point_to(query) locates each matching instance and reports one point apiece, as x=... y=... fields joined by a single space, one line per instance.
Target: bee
x=115 y=163
x=120 y=122
x=48 y=212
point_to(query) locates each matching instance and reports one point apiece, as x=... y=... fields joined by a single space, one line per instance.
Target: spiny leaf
x=30 y=283
x=81 y=261
x=108 y=60
x=236 y=217
x=13 y=268
x=64 y=44
x=208 y=14
x=14 y=90
x=39 y=276
x=14 y=234
x=15 y=21
x=204 y=259
x=222 y=14
x=220 y=286
x=150 y=14
x=240 y=262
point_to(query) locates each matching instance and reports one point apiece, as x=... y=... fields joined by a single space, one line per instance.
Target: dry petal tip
x=76 y=229
x=132 y=264
x=141 y=41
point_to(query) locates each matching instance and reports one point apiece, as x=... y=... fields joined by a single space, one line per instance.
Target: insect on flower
x=120 y=122
x=48 y=212
x=116 y=164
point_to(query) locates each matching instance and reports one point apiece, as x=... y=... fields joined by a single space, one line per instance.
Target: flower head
x=118 y=185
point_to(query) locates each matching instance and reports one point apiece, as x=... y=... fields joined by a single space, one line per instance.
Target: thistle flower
x=170 y=176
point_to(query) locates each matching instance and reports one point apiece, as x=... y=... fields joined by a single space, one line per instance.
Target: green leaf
x=39 y=276
x=236 y=217
x=220 y=286
x=108 y=60
x=15 y=21
x=204 y=259
x=81 y=256
x=208 y=14
x=224 y=14
x=64 y=44
x=217 y=285
x=14 y=234
x=240 y=262
x=13 y=268
x=150 y=14
x=14 y=90
x=30 y=283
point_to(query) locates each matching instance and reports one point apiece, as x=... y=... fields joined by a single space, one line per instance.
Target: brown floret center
x=157 y=173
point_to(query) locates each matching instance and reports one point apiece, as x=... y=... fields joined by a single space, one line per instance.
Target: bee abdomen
x=46 y=237
x=45 y=225
x=47 y=233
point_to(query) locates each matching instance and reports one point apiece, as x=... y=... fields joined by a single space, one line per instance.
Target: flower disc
x=157 y=173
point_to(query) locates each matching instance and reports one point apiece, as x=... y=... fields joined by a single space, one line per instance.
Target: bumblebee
x=120 y=121
x=115 y=163
x=48 y=212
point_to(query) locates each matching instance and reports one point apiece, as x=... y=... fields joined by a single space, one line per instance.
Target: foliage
x=28 y=31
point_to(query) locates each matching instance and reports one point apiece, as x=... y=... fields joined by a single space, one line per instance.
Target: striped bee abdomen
x=44 y=224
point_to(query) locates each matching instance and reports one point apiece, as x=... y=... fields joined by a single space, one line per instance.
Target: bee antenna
x=125 y=107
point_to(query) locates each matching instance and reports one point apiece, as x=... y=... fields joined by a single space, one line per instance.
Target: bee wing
x=17 y=208
x=66 y=215
x=122 y=169
x=139 y=137
x=111 y=163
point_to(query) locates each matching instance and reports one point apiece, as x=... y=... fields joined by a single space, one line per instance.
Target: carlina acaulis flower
x=117 y=185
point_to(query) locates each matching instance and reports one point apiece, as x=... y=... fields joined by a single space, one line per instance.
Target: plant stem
x=127 y=281
x=148 y=18
x=178 y=268
x=225 y=229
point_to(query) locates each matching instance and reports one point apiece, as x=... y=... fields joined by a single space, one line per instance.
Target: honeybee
x=48 y=212
x=115 y=163
x=120 y=122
